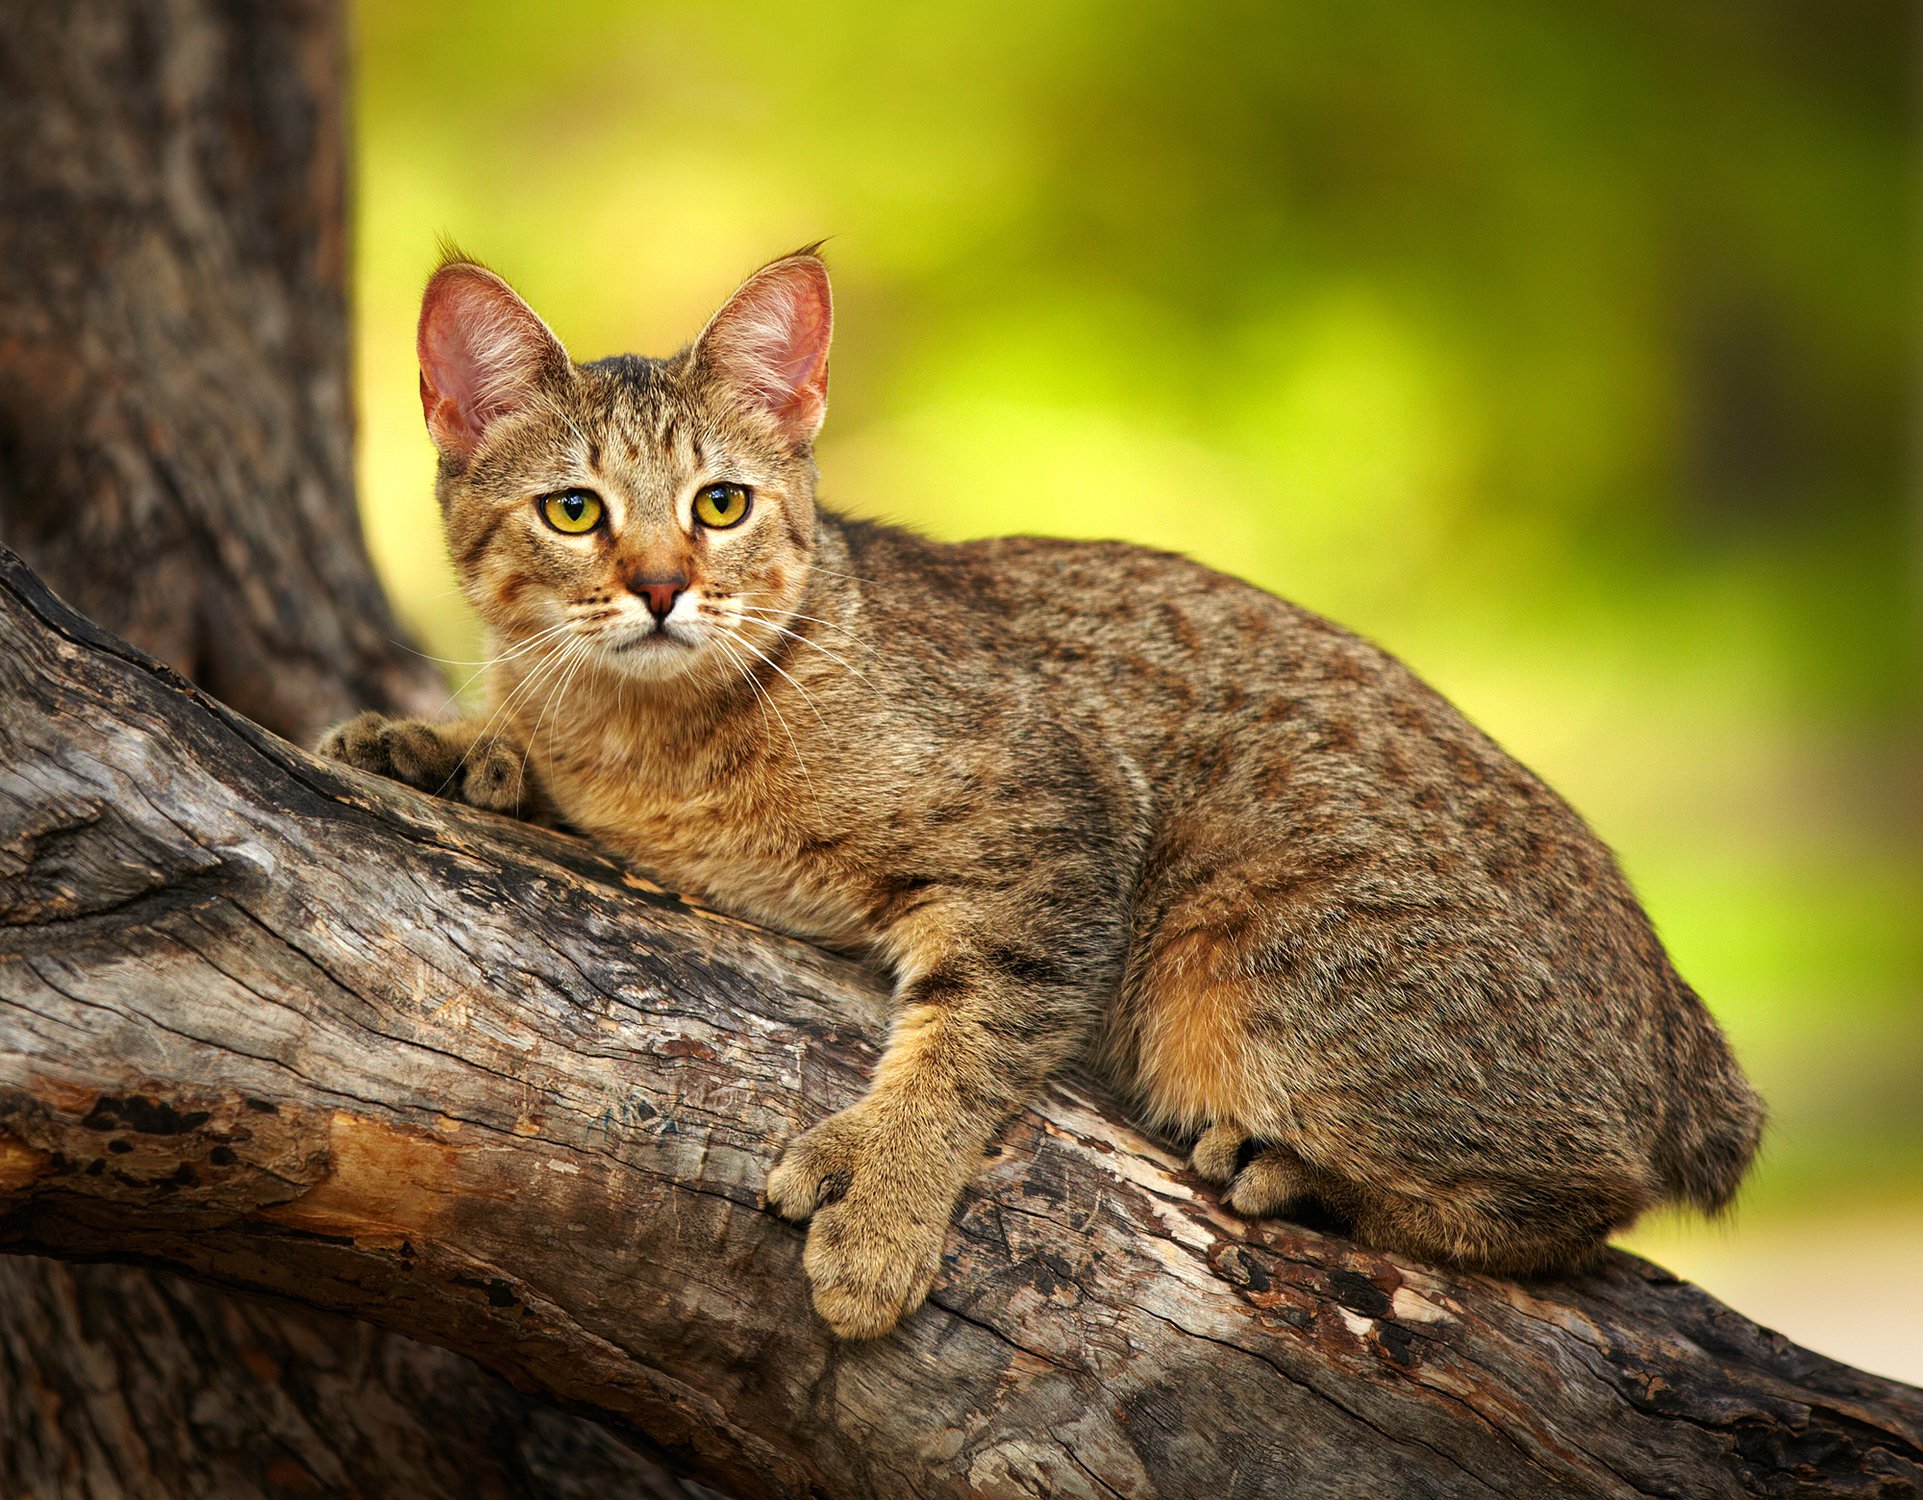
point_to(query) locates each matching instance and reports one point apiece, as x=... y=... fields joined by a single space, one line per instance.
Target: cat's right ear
x=484 y=354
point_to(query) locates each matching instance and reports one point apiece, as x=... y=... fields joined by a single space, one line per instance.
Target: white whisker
x=559 y=679
x=768 y=699
x=580 y=655
x=815 y=567
x=808 y=641
x=494 y=661
x=806 y=696
x=763 y=612
x=486 y=732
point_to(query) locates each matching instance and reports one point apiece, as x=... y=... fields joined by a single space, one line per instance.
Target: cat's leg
x=458 y=760
x=1491 y=1226
x=1327 y=1046
x=1461 y=1225
x=986 y=1019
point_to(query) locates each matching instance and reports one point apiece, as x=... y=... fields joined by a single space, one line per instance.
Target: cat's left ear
x=770 y=342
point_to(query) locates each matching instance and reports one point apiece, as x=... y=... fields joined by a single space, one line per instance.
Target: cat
x=1086 y=801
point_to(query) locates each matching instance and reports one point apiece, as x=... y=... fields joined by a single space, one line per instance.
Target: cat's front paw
x=488 y=773
x=880 y=1216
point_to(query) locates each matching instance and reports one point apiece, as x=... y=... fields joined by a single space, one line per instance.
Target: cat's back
x=1022 y=603
x=1161 y=653
x=1301 y=772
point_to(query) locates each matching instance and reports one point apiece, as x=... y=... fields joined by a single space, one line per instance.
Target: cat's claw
x=875 y=1242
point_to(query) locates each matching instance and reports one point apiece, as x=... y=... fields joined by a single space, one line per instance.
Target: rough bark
x=314 y=1035
x=175 y=416
x=164 y=1387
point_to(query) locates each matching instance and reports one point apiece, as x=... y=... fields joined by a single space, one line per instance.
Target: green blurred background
x=1569 y=351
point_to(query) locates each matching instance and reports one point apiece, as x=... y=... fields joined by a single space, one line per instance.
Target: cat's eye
x=572 y=511
x=719 y=505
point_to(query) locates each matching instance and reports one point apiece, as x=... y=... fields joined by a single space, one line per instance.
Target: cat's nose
x=658 y=594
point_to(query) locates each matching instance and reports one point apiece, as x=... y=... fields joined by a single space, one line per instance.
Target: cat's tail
x=1713 y=1120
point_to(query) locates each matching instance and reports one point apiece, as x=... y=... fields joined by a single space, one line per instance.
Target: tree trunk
x=175 y=452
x=315 y=1035
x=175 y=419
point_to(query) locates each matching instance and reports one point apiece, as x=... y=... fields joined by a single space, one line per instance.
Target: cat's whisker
x=556 y=674
x=837 y=573
x=806 y=696
x=835 y=625
x=809 y=641
x=560 y=692
x=764 y=612
x=556 y=652
x=781 y=718
x=521 y=650
x=558 y=679
x=482 y=666
x=412 y=650
x=506 y=706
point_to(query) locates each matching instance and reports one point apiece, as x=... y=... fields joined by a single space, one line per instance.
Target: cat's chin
x=655 y=657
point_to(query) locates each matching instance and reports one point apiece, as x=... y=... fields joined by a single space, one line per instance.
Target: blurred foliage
x=1568 y=350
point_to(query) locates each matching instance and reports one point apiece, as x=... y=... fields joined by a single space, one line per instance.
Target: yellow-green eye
x=721 y=504
x=572 y=511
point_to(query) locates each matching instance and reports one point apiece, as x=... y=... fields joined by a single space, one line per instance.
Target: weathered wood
x=320 y=1037
x=164 y=1387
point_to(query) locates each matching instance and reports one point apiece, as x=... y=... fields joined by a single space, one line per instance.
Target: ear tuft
x=484 y=354
x=770 y=342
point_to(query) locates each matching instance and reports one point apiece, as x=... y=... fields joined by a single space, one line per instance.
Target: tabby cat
x=1084 y=800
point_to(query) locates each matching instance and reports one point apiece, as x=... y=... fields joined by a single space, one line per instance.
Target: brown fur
x=1087 y=800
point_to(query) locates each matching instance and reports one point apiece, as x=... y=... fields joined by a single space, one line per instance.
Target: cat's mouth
x=652 y=650
x=657 y=639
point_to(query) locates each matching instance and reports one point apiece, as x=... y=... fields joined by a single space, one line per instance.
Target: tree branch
x=317 y=1036
x=116 y=1382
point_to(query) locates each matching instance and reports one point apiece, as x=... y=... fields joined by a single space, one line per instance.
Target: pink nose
x=658 y=594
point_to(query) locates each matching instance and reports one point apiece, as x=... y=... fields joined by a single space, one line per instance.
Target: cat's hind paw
x=1259 y=1180
x=1272 y=1181
x=1220 y=1152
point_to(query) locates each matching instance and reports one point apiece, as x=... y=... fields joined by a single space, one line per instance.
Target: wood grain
x=114 y=1383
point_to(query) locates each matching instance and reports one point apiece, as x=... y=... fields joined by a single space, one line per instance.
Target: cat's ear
x=770 y=342
x=484 y=354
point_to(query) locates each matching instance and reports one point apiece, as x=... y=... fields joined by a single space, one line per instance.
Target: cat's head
x=658 y=514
